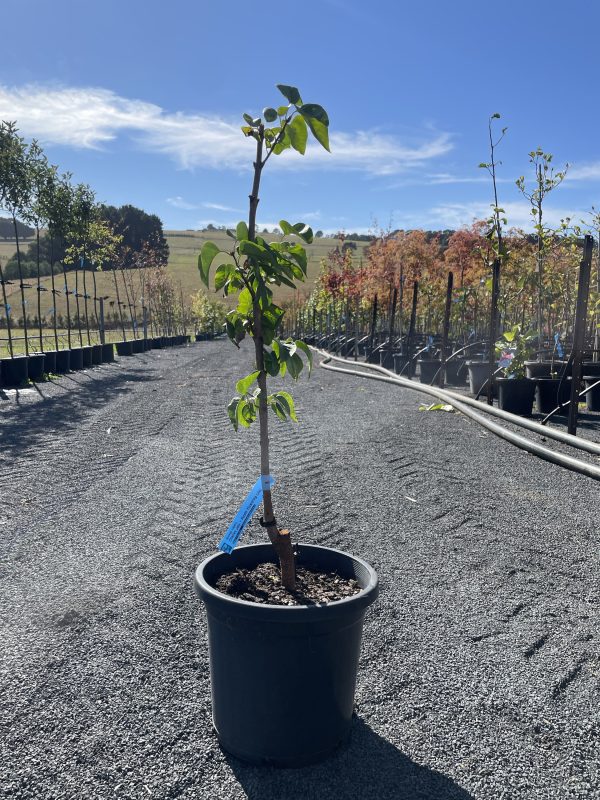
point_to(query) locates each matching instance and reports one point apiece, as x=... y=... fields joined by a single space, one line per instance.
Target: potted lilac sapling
x=284 y=622
x=515 y=390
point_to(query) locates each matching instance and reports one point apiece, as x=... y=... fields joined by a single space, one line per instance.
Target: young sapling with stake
x=254 y=268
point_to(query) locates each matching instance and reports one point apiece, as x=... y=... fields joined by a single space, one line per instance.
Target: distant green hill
x=184 y=247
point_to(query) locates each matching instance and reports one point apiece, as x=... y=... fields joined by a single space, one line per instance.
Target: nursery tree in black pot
x=284 y=643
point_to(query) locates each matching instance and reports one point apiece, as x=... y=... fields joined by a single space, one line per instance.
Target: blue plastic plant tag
x=245 y=514
x=558 y=345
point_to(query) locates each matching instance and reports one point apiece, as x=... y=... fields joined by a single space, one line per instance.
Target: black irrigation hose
x=463 y=404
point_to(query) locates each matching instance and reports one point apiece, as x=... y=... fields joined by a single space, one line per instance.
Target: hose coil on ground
x=473 y=408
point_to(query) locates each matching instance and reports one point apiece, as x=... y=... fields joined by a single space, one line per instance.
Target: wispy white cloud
x=94 y=117
x=457 y=215
x=179 y=202
x=584 y=172
x=219 y=207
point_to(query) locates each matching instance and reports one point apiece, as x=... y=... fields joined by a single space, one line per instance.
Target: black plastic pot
x=124 y=348
x=96 y=354
x=478 y=375
x=63 y=361
x=108 y=352
x=544 y=369
x=36 y=366
x=283 y=677
x=456 y=372
x=87 y=356
x=547 y=396
x=516 y=395
x=157 y=342
x=590 y=368
x=386 y=358
x=76 y=358
x=15 y=371
x=592 y=399
x=403 y=365
x=429 y=369
x=50 y=362
x=138 y=346
x=147 y=344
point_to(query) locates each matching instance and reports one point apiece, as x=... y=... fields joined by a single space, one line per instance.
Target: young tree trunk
x=77 y=306
x=21 y=285
x=119 y=302
x=280 y=539
x=8 y=329
x=39 y=293
x=54 y=292
x=68 y=304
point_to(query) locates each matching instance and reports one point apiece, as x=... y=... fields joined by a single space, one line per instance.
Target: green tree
x=253 y=267
x=546 y=179
x=209 y=315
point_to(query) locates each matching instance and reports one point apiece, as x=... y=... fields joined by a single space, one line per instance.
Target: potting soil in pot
x=263 y=585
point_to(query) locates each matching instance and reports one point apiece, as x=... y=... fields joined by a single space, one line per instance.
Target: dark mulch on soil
x=263 y=585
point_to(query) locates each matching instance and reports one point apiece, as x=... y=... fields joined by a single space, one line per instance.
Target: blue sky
x=143 y=101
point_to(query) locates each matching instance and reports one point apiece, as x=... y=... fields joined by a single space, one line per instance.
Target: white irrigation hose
x=523 y=422
x=463 y=405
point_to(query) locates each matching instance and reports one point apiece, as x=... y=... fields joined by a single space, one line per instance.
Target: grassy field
x=49 y=341
x=184 y=248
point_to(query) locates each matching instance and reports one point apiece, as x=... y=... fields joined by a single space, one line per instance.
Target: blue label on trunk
x=245 y=514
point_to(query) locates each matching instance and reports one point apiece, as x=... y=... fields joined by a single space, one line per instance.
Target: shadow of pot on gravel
x=369 y=768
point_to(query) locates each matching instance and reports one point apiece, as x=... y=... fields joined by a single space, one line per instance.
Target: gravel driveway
x=480 y=672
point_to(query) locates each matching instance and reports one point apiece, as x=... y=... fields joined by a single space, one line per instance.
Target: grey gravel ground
x=480 y=672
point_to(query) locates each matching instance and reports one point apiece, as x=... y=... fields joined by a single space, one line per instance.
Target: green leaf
x=291 y=94
x=222 y=275
x=320 y=132
x=278 y=409
x=318 y=122
x=282 y=110
x=244 y=306
x=436 y=407
x=205 y=259
x=271 y=363
x=244 y=384
x=283 y=144
x=269 y=114
x=253 y=122
x=294 y=365
x=253 y=250
x=314 y=111
x=298 y=134
x=232 y=412
x=307 y=352
x=299 y=229
x=240 y=416
x=241 y=231
x=288 y=404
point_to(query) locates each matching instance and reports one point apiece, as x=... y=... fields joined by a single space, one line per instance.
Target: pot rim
x=365 y=597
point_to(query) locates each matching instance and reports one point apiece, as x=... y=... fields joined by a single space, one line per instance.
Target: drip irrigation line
x=466 y=406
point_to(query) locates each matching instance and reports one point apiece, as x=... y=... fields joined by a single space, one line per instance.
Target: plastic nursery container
x=15 y=371
x=592 y=398
x=516 y=395
x=283 y=677
x=550 y=393
x=36 y=366
x=478 y=374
